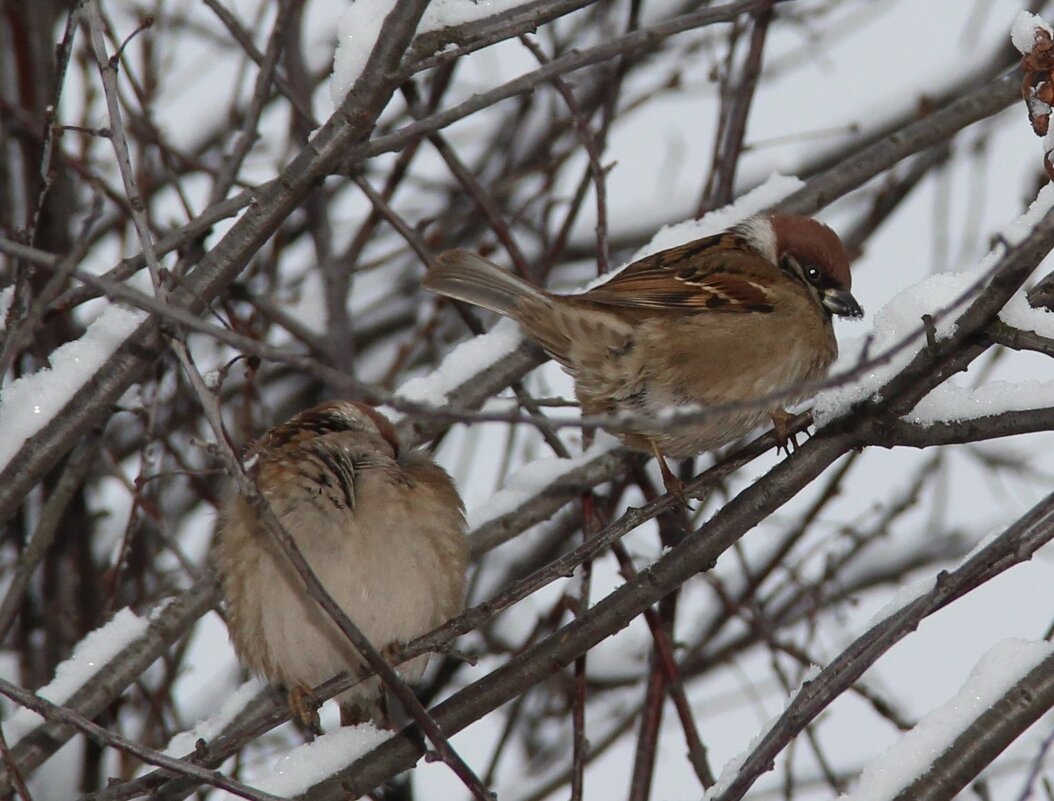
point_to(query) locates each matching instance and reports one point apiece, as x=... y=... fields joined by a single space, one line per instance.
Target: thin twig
x=593 y=154
x=108 y=70
x=729 y=143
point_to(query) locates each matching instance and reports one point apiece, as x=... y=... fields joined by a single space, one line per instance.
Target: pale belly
x=385 y=577
x=726 y=379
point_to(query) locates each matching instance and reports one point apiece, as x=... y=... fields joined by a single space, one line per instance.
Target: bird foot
x=674 y=485
x=372 y=710
x=785 y=441
x=678 y=489
x=393 y=652
x=304 y=707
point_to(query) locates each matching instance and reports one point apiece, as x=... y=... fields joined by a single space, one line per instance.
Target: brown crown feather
x=812 y=242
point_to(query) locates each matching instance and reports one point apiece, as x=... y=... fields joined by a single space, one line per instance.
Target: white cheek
x=759 y=231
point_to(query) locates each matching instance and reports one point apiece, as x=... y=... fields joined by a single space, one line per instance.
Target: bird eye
x=813 y=274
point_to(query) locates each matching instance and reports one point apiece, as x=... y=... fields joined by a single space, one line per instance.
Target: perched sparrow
x=382 y=528
x=727 y=318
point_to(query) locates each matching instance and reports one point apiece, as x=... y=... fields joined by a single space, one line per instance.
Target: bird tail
x=462 y=275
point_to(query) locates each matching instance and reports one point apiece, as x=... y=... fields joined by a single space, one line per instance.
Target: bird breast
x=391 y=553
x=707 y=359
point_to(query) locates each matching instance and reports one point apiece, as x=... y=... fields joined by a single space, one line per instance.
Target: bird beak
x=842 y=303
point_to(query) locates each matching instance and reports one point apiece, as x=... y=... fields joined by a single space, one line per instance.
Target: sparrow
x=732 y=317
x=382 y=527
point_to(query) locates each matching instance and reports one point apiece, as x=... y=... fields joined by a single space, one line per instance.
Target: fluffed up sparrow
x=383 y=528
x=730 y=317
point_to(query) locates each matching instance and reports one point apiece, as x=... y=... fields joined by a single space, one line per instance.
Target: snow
x=1017 y=230
x=361 y=22
x=28 y=404
x=996 y=672
x=734 y=766
x=895 y=321
x=531 y=480
x=1019 y=314
x=949 y=403
x=1022 y=31
x=157 y=612
x=89 y=657
x=307 y=765
x=6 y=296
x=941 y=296
x=208 y=729
x=763 y=196
x=902 y=597
x=356 y=34
x=462 y=363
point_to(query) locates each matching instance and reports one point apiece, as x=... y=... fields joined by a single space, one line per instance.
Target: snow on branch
x=922 y=315
x=89 y=656
x=361 y=22
x=212 y=726
x=535 y=491
x=103 y=665
x=937 y=735
x=1022 y=315
x=1027 y=31
x=992 y=557
x=304 y=766
x=461 y=366
x=30 y=403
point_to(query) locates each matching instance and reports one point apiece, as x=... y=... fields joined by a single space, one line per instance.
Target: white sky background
x=876 y=59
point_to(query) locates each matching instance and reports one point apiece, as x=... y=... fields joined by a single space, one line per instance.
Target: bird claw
x=674 y=485
x=678 y=489
x=393 y=652
x=786 y=445
x=304 y=707
x=786 y=442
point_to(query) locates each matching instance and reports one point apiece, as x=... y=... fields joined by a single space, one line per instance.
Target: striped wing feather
x=711 y=274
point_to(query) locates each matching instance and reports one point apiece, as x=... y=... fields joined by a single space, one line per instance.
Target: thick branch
x=986 y=737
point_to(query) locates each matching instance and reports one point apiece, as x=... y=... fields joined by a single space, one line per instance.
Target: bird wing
x=711 y=274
